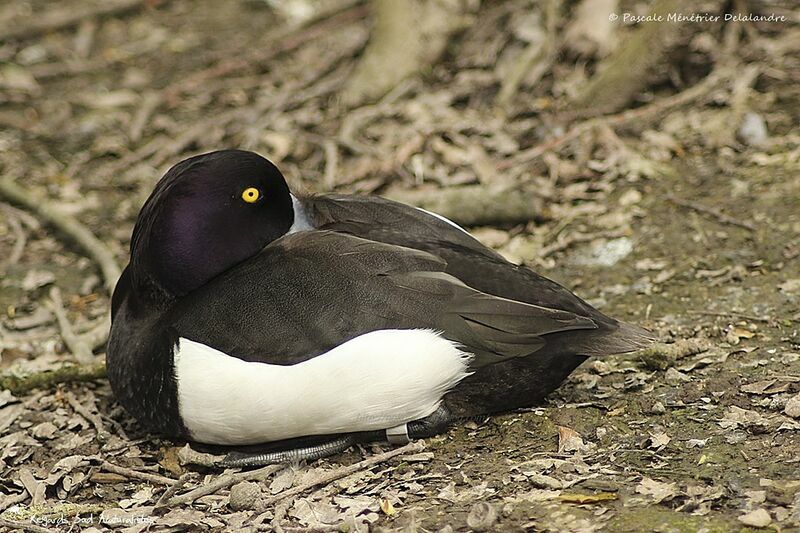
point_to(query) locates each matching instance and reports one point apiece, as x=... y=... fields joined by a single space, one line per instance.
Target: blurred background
x=645 y=154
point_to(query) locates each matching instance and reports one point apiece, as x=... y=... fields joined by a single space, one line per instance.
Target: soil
x=673 y=223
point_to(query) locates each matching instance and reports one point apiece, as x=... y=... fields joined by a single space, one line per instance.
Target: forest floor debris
x=697 y=432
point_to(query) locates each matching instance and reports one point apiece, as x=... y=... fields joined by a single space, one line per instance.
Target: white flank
x=376 y=381
x=301 y=220
x=444 y=219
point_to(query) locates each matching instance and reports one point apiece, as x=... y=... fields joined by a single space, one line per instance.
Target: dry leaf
x=387 y=507
x=282 y=481
x=569 y=440
x=657 y=491
x=736 y=417
x=659 y=440
x=793 y=406
x=769 y=386
x=758 y=518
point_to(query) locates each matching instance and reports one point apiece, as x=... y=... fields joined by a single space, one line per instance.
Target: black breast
x=140 y=365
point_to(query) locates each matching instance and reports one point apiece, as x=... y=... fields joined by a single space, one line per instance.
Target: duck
x=250 y=316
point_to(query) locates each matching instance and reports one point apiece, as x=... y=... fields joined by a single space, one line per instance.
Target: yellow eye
x=250 y=195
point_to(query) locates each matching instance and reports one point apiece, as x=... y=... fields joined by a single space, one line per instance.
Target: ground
x=679 y=219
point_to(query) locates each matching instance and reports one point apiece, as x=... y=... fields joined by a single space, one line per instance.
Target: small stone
x=658 y=408
x=753 y=130
x=758 y=518
x=244 y=496
x=481 y=517
x=793 y=407
x=603 y=253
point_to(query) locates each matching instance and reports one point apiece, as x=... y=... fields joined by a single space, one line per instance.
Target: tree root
x=80 y=346
x=534 y=61
x=68 y=225
x=408 y=36
x=624 y=73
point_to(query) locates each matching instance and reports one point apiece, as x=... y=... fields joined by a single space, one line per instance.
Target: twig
x=345 y=471
x=13 y=500
x=534 y=61
x=135 y=474
x=94 y=420
x=75 y=344
x=68 y=225
x=150 y=103
x=65 y=18
x=222 y=482
x=624 y=73
x=20 y=384
x=692 y=93
x=24 y=526
x=281 y=41
x=26 y=218
x=171 y=491
x=97 y=334
x=331 y=163
x=714 y=213
x=660 y=356
x=19 y=245
x=189 y=456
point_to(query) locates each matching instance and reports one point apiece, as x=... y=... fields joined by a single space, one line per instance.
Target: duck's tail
x=611 y=337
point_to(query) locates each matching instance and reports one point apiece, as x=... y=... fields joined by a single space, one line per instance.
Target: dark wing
x=474 y=264
x=311 y=291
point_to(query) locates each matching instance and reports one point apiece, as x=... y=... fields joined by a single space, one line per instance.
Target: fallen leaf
x=139 y=497
x=656 y=490
x=766 y=387
x=387 y=507
x=544 y=482
x=790 y=286
x=312 y=513
x=737 y=334
x=569 y=440
x=282 y=481
x=757 y=518
x=181 y=517
x=793 y=406
x=659 y=440
x=736 y=417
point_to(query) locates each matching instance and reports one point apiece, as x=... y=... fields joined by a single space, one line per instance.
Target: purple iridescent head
x=207 y=213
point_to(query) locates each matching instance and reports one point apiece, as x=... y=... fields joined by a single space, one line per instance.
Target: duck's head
x=207 y=213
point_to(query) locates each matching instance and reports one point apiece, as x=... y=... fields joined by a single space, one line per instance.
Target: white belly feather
x=376 y=381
